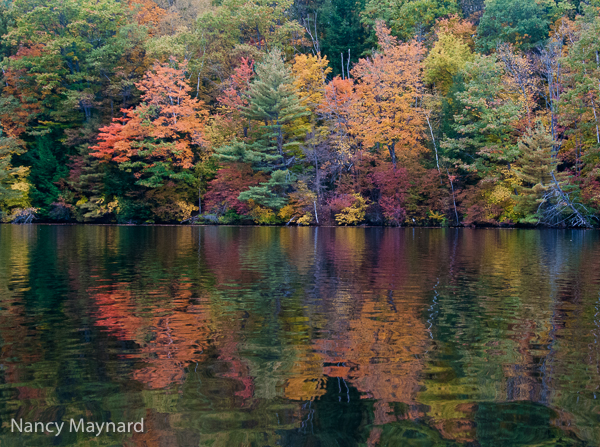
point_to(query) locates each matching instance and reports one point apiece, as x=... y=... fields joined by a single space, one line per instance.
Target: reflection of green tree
x=519 y=424
x=498 y=338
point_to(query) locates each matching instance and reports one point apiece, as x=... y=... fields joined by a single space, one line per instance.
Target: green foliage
x=524 y=23
x=259 y=23
x=73 y=48
x=408 y=18
x=6 y=22
x=234 y=118
x=271 y=194
x=342 y=30
x=48 y=167
x=273 y=101
x=485 y=125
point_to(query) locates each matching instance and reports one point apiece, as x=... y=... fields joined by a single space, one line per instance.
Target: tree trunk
x=392 y=153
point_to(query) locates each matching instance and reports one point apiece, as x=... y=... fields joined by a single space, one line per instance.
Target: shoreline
x=462 y=227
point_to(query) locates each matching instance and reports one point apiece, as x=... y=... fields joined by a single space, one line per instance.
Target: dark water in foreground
x=302 y=337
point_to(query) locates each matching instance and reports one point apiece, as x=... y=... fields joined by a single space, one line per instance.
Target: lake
x=256 y=336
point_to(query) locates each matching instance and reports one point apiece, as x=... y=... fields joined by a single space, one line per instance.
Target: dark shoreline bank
x=462 y=227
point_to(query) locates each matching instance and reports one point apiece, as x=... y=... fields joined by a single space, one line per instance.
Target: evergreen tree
x=533 y=169
x=274 y=101
x=343 y=32
x=272 y=194
x=48 y=167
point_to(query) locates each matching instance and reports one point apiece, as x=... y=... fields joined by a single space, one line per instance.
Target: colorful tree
x=447 y=57
x=161 y=138
x=388 y=87
x=13 y=183
x=310 y=73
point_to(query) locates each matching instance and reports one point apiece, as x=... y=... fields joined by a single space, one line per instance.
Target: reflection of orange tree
x=380 y=354
x=170 y=336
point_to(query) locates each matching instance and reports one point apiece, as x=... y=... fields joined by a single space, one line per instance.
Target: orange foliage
x=389 y=89
x=148 y=13
x=461 y=28
x=339 y=96
x=166 y=127
x=178 y=332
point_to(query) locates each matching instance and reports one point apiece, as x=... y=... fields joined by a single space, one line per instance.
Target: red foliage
x=590 y=188
x=232 y=99
x=224 y=190
x=338 y=202
x=165 y=127
x=393 y=185
x=339 y=95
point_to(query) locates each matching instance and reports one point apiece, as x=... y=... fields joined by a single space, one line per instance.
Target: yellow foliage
x=287 y=212
x=261 y=215
x=437 y=216
x=309 y=77
x=186 y=209
x=353 y=214
x=306 y=219
x=500 y=194
x=447 y=57
x=301 y=201
x=20 y=186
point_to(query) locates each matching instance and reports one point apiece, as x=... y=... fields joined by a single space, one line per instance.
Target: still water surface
x=228 y=336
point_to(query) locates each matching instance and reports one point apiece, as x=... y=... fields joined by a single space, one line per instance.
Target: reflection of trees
x=381 y=353
x=171 y=336
x=262 y=335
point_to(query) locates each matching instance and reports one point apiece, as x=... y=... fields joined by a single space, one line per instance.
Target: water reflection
x=296 y=336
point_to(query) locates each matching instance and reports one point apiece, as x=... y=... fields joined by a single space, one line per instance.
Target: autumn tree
x=13 y=180
x=310 y=73
x=336 y=111
x=447 y=57
x=388 y=86
x=162 y=138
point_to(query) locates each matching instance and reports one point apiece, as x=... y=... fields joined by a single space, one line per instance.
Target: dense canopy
x=338 y=112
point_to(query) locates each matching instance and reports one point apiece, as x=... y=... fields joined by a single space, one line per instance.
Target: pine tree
x=274 y=101
x=534 y=170
x=272 y=194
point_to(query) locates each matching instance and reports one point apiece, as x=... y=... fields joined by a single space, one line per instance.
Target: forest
x=301 y=112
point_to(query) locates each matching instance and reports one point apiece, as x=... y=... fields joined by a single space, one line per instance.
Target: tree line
x=404 y=112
